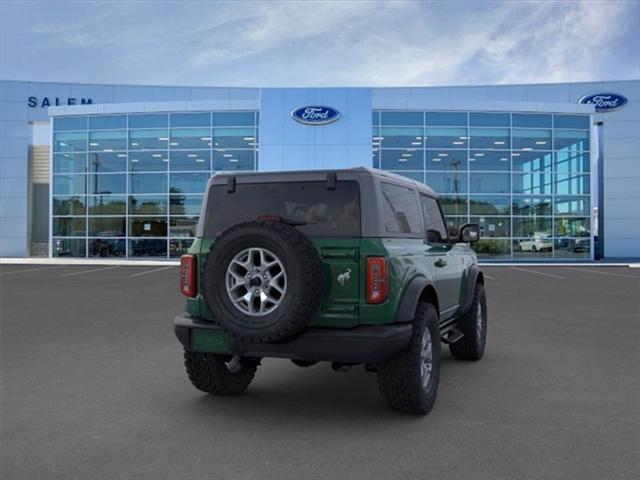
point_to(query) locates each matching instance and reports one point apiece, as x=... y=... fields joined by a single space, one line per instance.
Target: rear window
x=321 y=212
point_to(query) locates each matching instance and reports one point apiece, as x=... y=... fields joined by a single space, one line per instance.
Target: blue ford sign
x=605 y=102
x=315 y=115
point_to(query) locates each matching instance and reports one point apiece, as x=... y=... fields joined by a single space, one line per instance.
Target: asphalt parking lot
x=93 y=388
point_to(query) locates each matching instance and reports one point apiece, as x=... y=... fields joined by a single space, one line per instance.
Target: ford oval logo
x=315 y=115
x=605 y=102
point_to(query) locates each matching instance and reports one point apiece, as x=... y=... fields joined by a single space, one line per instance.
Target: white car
x=539 y=243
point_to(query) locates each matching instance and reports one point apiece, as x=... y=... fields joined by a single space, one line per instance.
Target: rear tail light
x=188 y=277
x=377 y=281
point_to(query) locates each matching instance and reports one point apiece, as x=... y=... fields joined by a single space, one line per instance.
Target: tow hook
x=234 y=365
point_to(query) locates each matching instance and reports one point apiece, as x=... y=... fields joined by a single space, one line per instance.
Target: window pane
x=75 y=205
x=453 y=205
x=68 y=247
x=531 y=139
x=446 y=119
x=183 y=226
x=489 y=119
x=574 y=140
x=534 y=183
x=107 y=122
x=69 y=227
x=147 y=205
x=70 y=163
x=69 y=142
x=148 y=248
x=107 y=226
x=531 y=120
x=69 y=123
x=234 y=119
x=447 y=182
x=233 y=160
x=531 y=227
x=446 y=160
x=179 y=247
x=493 y=226
x=401 y=212
x=572 y=227
x=571 y=121
x=187 y=160
x=190 y=138
x=537 y=246
x=567 y=162
x=101 y=162
x=188 y=182
x=107 y=205
x=103 y=247
x=489 y=183
x=567 y=184
x=436 y=229
x=147 y=226
x=107 y=183
x=401 y=137
x=185 y=204
x=190 y=119
x=402 y=118
x=148 y=183
x=148 y=121
x=148 y=161
x=148 y=139
x=69 y=184
x=531 y=206
x=454 y=224
x=486 y=248
x=407 y=159
x=572 y=205
x=531 y=161
x=483 y=160
x=108 y=140
x=496 y=138
x=490 y=205
x=573 y=248
x=446 y=137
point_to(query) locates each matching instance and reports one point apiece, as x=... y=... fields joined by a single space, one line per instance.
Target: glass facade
x=131 y=185
x=523 y=177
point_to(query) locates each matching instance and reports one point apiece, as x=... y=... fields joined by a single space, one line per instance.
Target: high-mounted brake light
x=188 y=286
x=377 y=282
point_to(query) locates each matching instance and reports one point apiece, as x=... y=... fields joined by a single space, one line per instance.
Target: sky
x=320 y=43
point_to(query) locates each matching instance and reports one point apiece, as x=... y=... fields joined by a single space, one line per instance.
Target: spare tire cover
x=263 y=281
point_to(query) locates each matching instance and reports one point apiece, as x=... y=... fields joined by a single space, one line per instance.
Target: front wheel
x=473 y=325
x=408 y=381
x=208 y=372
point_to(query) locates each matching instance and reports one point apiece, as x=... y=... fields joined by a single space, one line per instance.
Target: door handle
x=440 y=263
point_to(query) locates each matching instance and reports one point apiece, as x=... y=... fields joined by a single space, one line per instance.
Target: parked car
x=539 y=243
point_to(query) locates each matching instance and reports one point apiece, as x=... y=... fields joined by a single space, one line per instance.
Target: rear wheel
x=208 y=372
x=473 y=325
x=408 y=381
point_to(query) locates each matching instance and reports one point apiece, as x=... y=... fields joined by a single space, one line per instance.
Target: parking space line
x=89 y=271
x=539 y=273
x=151 y=271
x=611 y=274
x=30 y=270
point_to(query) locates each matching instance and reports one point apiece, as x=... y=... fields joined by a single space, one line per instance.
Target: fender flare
x=474 y=275
x=409 y=302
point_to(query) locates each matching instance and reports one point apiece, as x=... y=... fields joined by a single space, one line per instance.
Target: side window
x=401 y=211
x=436 y=229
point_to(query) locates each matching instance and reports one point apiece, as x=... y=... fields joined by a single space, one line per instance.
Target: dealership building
x=550 y=172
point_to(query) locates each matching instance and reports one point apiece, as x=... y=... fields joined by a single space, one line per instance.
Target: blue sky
x=320 y=43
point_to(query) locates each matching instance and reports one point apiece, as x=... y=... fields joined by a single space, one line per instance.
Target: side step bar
x=450 y=334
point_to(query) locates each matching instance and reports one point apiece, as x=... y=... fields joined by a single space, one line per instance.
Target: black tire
x=399 y=378
x=534 y=248
x=303 y=363
x=304 y=277
x=208 y=373
x=471 y=345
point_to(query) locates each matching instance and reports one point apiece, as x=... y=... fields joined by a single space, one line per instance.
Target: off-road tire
x=399 y=379
x=304 y=273
x=471 y=345
x=208 y=373
x=303 y=363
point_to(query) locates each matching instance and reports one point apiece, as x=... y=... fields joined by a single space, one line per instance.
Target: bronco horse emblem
x=344 y=277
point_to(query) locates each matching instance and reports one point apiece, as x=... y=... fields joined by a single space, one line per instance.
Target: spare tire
x=263 y=281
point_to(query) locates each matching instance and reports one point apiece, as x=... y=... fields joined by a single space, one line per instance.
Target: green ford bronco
x=351 y=266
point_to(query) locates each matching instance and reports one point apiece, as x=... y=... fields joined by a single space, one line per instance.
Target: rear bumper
x=364 y=344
